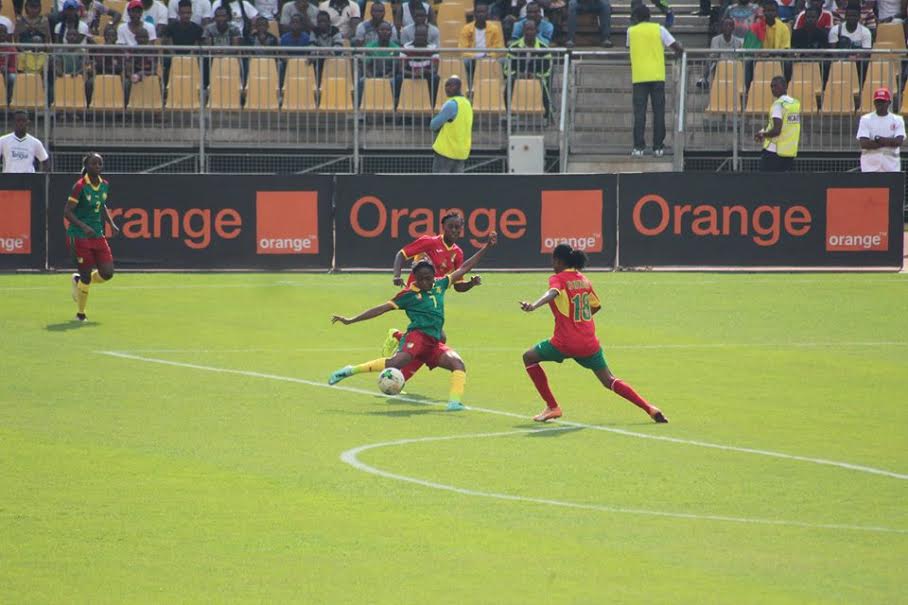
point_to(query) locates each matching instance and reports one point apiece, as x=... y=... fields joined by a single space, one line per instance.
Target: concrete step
x=615 y=163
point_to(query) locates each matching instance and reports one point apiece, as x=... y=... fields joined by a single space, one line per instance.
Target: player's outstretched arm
x=543 y=300
x=474 y=260
x=367 y=314
x=398 y=266
x=466 y=286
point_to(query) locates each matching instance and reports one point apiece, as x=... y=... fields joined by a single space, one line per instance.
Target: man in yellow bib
x=454 y=125
x=647 y=42
x=782 y=133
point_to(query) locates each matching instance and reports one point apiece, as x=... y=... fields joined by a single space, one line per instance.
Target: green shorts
x=548 y=352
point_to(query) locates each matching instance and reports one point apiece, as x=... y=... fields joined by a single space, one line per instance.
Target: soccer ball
x=391 y=381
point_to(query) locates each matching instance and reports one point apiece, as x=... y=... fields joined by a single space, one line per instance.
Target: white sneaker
x=75 y=292
x=658 y=152
x=637 y=152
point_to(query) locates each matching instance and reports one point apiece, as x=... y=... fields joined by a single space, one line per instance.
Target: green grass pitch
x=209 y=462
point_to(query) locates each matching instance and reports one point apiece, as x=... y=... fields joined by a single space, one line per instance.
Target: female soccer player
x=573 y=303
x=424 y=303
x=86 y=210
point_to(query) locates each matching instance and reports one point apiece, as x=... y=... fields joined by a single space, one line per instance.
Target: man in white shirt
x=850 y=34
x=881 y=135
x=201 y=11
x=20 y=149
x=125 y=32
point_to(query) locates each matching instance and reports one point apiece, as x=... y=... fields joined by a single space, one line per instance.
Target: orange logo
x=573 y=218
x=857 y=220
x=15 y=222
x=286 y=222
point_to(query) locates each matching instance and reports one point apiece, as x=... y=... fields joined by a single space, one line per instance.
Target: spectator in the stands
x=481 y=33
x=155 y=13
x=308 y=10
x=768 y=32
x=110 y=61
x=70 y=21
x=344 y=15
x=222 y=32
x=367 y=31
x=544 y=27
x=530 y=65
x=891 y=11
x=32 y=23
x=810 y=35
x=381 y=60
x=91 y=14
x=421 y=59
x=7 y=61
x=407 y=34
x=824 y=21
x=126 y=32
x=507 y=27
x=201 y=11
x=141 y=64
x=270 y=9
x=296 y=35
x=603 y=8
x=744 y=13
x=850 y=33
x=68 y=61
x=868 y=12
x=240 y=13
x=261 y=37
x=408 y=9
x=325 y=34
x=184 y=31
x=786 y=10
x=726 y=40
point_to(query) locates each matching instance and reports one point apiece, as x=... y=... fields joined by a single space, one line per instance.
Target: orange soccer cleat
x=548 y=414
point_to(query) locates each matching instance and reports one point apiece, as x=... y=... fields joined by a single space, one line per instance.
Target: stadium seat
x=69 y=92
x=336 y=95
x=879 y=74
x=28 y=91
x=108 y=93
x=765 y=71
x=225 y=87
x=378 y=97
x=841 y=88
x=451 y=11
x=3 y=92
x=299 y=86
x=183 y=88
x=274 y=28
x=146 y=95
x=336 y=67
x=731 y=72
x=805 y=92
x=808 y=72
x=414 y=97
x=451 y=66
x=725 y=96
x=487 y=96
x=449 y=33
x=526 y=97
x=487 y=69
x=890 y=35
x=759 y=97
x=904 y=108
x=262 y=85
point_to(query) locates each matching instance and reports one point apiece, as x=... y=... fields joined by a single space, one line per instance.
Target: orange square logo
x=857 y=220
x=572 y=217
x=15 y=222
x=286 y=222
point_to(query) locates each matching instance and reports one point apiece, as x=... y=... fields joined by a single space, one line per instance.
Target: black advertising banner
x=378 y=215
x=209 y=221
x=761 y=220
x=22 y=222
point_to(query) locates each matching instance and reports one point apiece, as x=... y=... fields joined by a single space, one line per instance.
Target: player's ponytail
x=578 y=259
x=573 y=259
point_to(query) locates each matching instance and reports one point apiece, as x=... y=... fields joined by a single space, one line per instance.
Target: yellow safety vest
x=455 y=138
x=647 y=53
x=787 y=141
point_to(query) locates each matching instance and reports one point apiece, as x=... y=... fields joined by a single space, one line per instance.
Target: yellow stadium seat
x=274 y=28
x=487 y=69
x=299 y=86
x=904 y=103
x=414 y=97
x=765 y=71
x=451 y=11
x=378 y=97
x=108 y=93
x=3 y=92
x=225 y=86
x=262 y=85
x=808 y=73
x=146 y=95
x=845 y=71
x=69 y=92
x=117 y=5
x=890 y=35
x=526 y=97
x=336 y=67
x=336 y=95
x=805 y=92
x=9 y=12
x=28 y=91
x=759 y=98
x=487 y=96
x=183 y=89
x=451 y=66
x=879 y=74
x=731 y=72
x=841 y=88
x=449 y=33
x=725 y=96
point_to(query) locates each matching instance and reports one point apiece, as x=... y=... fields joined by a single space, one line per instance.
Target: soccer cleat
x=455 y=406
x=391 y=344
x=338 y=375
x=548 y=414
x=75 y=280
x=81 y=317
x=659 y=417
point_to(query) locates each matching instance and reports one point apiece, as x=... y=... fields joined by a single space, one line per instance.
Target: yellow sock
x=96 y=277
x=83 y=295
x=458 y=383
x=376 y=365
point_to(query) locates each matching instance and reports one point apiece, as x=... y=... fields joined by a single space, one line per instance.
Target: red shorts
x=423 y=348
x=89 y=252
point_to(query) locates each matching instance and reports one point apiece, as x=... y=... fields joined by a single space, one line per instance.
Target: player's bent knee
x=106 y=275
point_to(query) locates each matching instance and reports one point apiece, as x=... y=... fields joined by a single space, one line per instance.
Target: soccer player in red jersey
x=445 y=255
x=86 y=210
x=573 y=303
x=424 y=303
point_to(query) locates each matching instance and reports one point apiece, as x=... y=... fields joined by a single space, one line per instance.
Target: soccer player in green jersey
x=424 y=303
x=86 y=211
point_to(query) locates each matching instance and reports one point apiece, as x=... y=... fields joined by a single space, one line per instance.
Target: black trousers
x=771 y=162
x=643 y=92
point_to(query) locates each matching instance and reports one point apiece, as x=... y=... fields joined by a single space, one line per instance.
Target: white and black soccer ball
x=391 y=381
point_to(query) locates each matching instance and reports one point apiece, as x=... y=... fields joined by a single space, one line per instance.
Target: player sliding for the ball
x=573 y=303
x=424 y=304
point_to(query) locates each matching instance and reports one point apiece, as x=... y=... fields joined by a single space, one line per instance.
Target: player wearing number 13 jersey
x=573 y=303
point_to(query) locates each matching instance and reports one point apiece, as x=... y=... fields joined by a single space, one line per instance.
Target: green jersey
x=426 y=310
x=89 y=202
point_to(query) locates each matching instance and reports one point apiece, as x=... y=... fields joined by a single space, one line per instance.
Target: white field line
x=351 y=457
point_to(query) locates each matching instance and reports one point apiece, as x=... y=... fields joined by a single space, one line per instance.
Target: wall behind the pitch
x=23 y=222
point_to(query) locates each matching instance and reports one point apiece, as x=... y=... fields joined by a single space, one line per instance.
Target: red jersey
x=435 y=250
x=575 y=331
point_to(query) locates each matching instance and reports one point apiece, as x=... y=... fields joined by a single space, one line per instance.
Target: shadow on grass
x=551 y=430
x=73 y=324
x=404 y=413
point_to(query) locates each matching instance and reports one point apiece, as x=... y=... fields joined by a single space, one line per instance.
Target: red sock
x=537 y=375
x=625 y=390
x=398 y=335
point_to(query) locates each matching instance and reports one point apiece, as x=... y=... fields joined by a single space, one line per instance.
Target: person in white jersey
x=881 y=134
x=20 y=149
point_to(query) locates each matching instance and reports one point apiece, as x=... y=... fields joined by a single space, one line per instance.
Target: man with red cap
x=880 y=134
x=126 y=33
